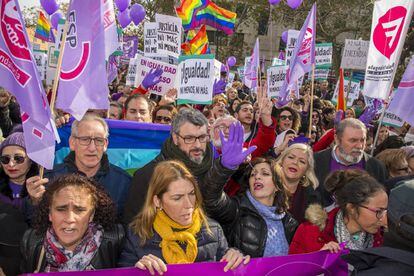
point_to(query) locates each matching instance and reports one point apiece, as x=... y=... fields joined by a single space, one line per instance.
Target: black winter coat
x=106 y=256
x=244 y=227
x=322 y=169
x=211 y=248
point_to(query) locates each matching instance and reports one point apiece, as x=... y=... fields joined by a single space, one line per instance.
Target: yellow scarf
x=171 y=250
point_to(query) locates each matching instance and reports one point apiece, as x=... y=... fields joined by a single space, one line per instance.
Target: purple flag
x=19 y=76
x=402 y=102
x=112 y=68
x=250 y=73
x=130 y=46
x=318 y=263
x=303 y=56
x=83 y=80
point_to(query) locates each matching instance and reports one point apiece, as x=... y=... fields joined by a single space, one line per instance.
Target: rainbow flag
x=44 y=29
x=131 y=144
x=198 y=12
x=341 y=92
x=196 y=43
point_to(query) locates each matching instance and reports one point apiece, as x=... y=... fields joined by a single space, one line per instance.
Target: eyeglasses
x=379 y=213
x=86 y=141
x=191 y=139
x=222 y=127
x=284 y=117
x=18 y=159
x=162 y=118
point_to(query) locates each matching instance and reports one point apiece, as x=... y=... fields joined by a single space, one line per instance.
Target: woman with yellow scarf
x=172 y=227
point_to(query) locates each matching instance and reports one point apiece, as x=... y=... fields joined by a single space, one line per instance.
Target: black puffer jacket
x=244 y=227
x=211 y=248
x=106 y=256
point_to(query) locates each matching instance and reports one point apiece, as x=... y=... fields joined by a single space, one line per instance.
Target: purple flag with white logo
x=130 y=46
x=19 y=76
x=303 y=56
x=251 y=72
x=83 y=81
x=402 y=102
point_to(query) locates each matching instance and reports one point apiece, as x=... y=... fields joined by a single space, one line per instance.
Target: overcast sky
x=31 y=3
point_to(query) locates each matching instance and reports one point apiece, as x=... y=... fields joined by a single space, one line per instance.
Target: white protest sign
x=240 y=71
x=352 y=95
x=145 y=64
x=275 y=78
x=323 y=55
x=230 y=79
x=41 y=63
x=59 y=36
x=321 y=74
x=390 y=118
x=290 y=45
x=195 y=79
x=52 y=61
x=168 y=35
x=217 y=69
x=150 y=39
x=277 y=62
x=132 y=72
x=355 y=54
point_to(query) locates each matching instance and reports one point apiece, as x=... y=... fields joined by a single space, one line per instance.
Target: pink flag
x=304 y=54
x=19 y=76
x=251 y=72
x=83 y=81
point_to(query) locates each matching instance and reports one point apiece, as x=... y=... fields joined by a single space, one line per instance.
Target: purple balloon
x=294 y=4
x=137 y=13
x=124 y=19
x=285 y=36
x=231 y=61
x=274 y=2
x=50 y=6
x=122 y=4
x=55 y=19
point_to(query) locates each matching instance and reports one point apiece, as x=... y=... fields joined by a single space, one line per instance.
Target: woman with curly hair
x=172 y=227
x=256 y=221
x=73 y=229
x=287 y=118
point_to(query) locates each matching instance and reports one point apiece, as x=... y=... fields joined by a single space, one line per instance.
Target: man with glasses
x=88 y=143
x=189 y=143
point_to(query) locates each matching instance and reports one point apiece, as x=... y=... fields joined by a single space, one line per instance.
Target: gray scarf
x=365 y=240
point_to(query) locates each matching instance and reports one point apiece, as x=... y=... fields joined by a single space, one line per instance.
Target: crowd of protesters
x=244 y=177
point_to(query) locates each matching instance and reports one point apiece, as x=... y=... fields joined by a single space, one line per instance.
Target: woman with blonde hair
x=172 y=227
x=299 y=179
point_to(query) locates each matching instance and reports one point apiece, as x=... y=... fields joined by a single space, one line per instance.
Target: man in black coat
x=188 y=143
x=348 y=153
x=397 y=254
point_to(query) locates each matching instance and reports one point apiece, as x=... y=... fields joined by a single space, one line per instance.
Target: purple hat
x=14 y=139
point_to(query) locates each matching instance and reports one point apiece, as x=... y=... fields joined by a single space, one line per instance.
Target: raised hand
x=265 y=105
x=219 y=87
x=152 y=78
x=232 y=148
x=36 y=188
x=169 y=97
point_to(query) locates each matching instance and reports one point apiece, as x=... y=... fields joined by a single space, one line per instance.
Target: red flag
x=341 y=93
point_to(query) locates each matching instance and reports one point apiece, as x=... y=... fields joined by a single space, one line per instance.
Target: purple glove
x=369 y=114
x=338 y=117
x=152 y=78
x=219 y=87
x=232 y=153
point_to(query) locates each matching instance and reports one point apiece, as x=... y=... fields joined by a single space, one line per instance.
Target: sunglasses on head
x=18 y=159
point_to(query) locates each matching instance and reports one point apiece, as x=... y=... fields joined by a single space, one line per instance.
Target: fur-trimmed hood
x=316 y=215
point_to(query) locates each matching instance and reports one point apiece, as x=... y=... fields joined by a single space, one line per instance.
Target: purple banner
x=130 y=46
x=321 y=262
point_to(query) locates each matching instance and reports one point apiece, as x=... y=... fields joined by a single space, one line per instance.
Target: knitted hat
x=14 y=139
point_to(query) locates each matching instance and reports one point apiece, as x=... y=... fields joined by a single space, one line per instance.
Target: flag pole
x=58 y=67
x=349 y=89
x=374 y=145
x=311 y=100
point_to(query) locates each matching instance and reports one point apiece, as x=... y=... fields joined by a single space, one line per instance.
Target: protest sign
x=317 y=263
x=144 y=66
x=129 y=46
x=168 y=35
x=240 y=72
x=59 y=37
x=353 y=94
x=230 y=79
x=291 y=44
x=40 y=58
x=195 y=79
x=323 y=55
x=390 y=119
x=275 y=77
x=355 y=54
x=390 y=23
x=150 y=39
x=132 y=72
x=277 y=62
x=51 y=64
x=322 y=74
